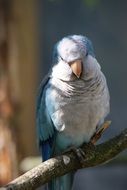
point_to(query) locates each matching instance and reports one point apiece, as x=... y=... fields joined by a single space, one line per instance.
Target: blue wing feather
x=45 y=128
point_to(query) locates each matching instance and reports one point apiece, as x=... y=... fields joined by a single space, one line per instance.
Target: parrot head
x=72 y=58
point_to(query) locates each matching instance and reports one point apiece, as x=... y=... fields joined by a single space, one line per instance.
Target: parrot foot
x=79 y=153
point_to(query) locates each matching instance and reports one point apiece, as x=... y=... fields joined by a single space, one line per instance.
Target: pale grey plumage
x=81 y=105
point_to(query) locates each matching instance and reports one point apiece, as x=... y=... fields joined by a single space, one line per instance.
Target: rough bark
x=60 y=165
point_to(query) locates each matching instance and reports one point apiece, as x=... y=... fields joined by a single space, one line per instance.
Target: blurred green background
x=28 y=31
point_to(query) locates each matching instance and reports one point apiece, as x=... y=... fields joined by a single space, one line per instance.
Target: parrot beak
x=76 y=67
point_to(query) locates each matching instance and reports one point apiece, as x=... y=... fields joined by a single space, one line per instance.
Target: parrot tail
x=61 y=183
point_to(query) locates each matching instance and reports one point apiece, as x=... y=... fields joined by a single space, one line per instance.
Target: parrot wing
x=45 y=127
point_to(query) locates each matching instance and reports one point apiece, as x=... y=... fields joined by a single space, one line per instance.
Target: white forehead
x=69 y=50
x=66 y=43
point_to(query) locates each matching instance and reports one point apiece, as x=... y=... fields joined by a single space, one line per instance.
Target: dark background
x=105 y=23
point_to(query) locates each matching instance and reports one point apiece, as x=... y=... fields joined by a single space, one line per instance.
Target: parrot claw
x=79 y=153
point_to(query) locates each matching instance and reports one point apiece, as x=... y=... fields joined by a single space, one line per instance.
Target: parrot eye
x=63 y=59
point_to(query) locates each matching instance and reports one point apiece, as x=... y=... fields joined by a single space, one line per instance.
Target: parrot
x=73 y=101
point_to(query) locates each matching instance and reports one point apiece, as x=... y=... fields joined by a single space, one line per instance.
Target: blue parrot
x=73 y=100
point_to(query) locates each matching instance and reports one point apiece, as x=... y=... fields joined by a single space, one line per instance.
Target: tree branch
x=60 y=165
